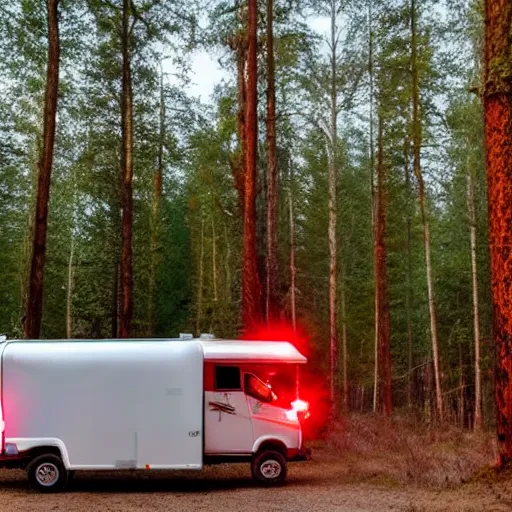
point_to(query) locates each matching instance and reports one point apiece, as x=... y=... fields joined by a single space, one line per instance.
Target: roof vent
x=207 y=336
x=186 y=336
x=3 y=337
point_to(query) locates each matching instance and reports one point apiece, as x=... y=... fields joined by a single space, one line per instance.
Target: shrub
x=400 y=450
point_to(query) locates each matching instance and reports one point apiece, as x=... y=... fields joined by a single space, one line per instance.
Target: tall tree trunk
x=498 y=142
x=408 y=295
x=374 y=210
x=461 y=412
x=476 y=313
x=332 y=179
x=200 y=282
x=293 y=270
x=227 y=267
x=126 y=277
x=214 y=260
x=115 y=300
x=292 y=251
x=384 y=352
x=344 y=345
x=34 y=313
x=155 y=212
x=271 y=303
x=251 y=287
x=417 y=138
x=69 y=293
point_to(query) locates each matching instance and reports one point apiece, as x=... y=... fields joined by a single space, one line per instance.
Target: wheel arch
x=271 y=443
x=32 y=448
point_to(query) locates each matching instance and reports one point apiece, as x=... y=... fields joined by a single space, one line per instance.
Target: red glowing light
x=300 y=405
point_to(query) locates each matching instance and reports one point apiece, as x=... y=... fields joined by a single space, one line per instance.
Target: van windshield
x=257 y=389
x=280 y=380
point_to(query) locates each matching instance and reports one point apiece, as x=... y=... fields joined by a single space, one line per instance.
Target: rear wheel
x=47 y=473
x=269 y=468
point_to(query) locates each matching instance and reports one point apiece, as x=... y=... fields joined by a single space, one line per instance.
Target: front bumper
x=302 y=454
x=10 y=457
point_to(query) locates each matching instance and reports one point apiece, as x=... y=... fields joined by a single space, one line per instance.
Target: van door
x=228 y=422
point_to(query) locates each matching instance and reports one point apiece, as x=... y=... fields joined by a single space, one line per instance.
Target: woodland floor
x=323 y=484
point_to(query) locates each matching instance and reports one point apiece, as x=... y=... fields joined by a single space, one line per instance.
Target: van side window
x=227 y=377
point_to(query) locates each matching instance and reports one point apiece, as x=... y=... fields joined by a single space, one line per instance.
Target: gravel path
x=321 y=485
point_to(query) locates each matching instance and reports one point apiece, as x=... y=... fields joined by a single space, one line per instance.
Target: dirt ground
x=323 y=484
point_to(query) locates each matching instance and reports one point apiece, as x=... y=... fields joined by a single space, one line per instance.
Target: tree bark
x=214 y=260
x=498 y=142
x=227 y=267
x=115 y=300
x=408 y=296
x=476 y=312
x=384 y=335
x=374 y=210
x=292 y=252
x=155 y=212
x=417 y=138
x=251 y=287
x=69 y=293
x=126 y=277
x=272 y=191
x=200 y=282
x=344 y=346
x=332 y=186
x=34 y=313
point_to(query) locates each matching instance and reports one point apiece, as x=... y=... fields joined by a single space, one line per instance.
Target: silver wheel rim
x=47 y=474
x=270 y=469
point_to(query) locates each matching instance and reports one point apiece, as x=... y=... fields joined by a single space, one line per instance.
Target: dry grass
x=400 y=451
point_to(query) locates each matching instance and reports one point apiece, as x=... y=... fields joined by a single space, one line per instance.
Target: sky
x=206 y=72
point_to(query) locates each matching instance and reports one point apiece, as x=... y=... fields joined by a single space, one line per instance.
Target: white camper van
x=147 y=405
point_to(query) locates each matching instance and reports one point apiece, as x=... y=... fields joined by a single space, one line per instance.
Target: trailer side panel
x=113 y=404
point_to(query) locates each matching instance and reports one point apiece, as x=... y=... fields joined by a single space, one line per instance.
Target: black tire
x=269 y=468
x=47 y=473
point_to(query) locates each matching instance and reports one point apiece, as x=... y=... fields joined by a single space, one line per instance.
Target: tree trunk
x=251 y=288
x=115 y=300
x=417 y=138
x=34 y=313
x=332 y=179
x=214 y=260
x=374 y=210
x=461 y=388
x=155 y=213
x=292 y=252
x=476 y=313
x=200 y=282
x=126 y=277
x=384 y=352
x=408 y=296
x=271 y=302
x=498 y=142
x=344 y=346
x=293 y=270
x=227 y=267
x=69 y=294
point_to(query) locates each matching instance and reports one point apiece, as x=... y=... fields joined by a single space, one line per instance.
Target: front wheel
x=269 y=468
x=47 y=473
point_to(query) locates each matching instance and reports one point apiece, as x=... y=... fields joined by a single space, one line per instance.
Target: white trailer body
x=106 y=405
